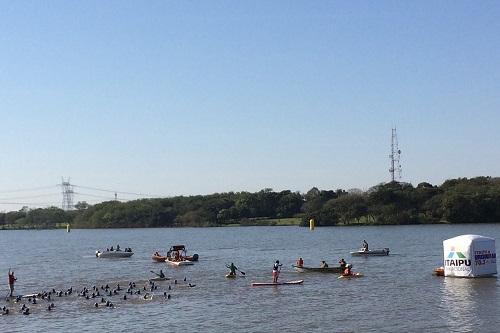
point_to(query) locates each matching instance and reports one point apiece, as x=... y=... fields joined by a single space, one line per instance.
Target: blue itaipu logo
x=459 y=255
x=456 y=259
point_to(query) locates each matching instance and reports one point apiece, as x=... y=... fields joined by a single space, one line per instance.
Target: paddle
x=242 y=273
x=155 y=273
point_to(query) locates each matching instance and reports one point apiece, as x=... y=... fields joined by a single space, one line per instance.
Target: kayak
x=159 y=279
x=439 y=271
x=353 y=275
x=303 y=269
x=257 y=284
x=380 y=252
x=158 y=258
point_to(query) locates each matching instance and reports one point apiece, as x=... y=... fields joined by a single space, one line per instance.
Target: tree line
x=462 y=200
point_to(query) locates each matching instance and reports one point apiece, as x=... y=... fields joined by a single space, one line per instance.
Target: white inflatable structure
x=469 y=256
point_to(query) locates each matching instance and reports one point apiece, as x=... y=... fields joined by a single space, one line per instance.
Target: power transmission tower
x=67 y=192
x=395 y=169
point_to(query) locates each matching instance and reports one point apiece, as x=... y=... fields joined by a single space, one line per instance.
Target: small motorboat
x=363 y=252
x=258 y=284
x=113 y=254
x=180 y=262
x=304 y=269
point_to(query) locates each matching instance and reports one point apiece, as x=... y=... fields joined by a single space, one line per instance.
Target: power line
x=94 y=195
x=112 y=191
x=30 y=189
x=31 y=196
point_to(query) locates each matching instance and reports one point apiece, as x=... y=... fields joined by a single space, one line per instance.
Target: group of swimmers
x=93 y=293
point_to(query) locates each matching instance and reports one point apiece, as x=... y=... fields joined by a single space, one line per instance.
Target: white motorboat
x=178 y=262
x=113 y=254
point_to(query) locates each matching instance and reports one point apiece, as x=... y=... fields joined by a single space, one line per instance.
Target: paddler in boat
x=117 y=247
x=276 y=271
x=343 y=264
x=347 y=270
x=299 y=262
x=323 y=264
x=232 y=269
x=365 y=246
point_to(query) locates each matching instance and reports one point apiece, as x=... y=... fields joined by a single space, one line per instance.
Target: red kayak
x=256 y=284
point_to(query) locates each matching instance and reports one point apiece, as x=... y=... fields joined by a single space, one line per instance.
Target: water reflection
x=468 y=303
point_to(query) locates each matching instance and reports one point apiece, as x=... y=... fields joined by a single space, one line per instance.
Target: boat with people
x=258 y=284
x=350 y=276
x=364 y=252
x=174 y=250
x=304 y=269
x=114 y=253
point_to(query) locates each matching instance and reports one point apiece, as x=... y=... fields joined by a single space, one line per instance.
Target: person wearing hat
x=276 y=271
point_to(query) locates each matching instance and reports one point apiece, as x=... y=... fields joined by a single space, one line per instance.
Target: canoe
x=380 y=252
x=303 y=269
x=113 y=254
x=258 y=284
x=353 y=275
x=179 y=263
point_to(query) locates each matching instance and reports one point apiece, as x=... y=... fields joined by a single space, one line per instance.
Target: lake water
x=397 y=293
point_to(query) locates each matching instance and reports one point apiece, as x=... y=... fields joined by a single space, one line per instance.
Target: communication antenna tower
x=67 y=192
x=395 y=169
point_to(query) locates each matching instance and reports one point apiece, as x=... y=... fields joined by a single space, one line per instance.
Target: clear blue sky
x=197 y=97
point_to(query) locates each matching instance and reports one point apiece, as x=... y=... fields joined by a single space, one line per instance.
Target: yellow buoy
x=67 y=228
x=311 y=224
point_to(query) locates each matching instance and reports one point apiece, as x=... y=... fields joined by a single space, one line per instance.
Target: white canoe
x=179 y=263
x=380 y=252
x=113 y=254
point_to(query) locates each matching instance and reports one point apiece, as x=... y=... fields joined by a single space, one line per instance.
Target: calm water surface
x=397 y=293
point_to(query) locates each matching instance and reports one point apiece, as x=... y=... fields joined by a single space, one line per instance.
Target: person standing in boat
x=276 y=271
x=365 y=246
x=232 y=269
x=12 y=279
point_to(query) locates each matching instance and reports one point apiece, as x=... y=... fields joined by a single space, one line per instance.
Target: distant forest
x=475 y=200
